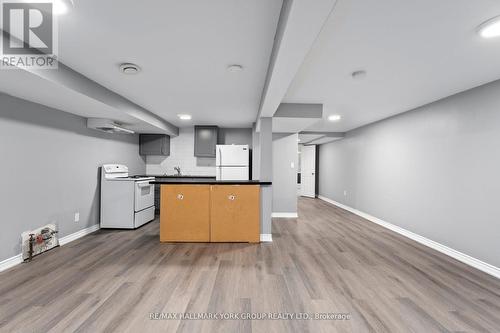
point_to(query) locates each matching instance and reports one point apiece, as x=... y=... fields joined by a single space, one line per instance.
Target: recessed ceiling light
x=234 y=68
x=334 y=117
x=61 y=7
x=184 y=116
x=358 y=75
x=490 y=28
x=129 y=69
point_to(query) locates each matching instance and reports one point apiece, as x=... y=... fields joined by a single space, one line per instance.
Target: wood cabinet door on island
x=235 y=213
x=185 y=213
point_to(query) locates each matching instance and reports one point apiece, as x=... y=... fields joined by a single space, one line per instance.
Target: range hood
x=107 y=125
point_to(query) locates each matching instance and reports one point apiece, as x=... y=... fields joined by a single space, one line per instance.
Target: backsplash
x=181 y=155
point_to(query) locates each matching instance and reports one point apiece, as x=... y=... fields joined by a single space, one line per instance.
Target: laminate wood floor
x=327 y=261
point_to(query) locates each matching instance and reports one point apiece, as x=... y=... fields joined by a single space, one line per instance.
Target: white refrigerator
x=232 y=162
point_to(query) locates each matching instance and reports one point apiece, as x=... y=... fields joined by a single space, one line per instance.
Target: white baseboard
x=13 y=261
x=466 y=259
x=79 y=234
x=285 y=215
x=266 y=237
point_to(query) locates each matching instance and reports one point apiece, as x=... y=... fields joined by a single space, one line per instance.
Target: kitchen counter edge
x=211 y=182
x=181 y=176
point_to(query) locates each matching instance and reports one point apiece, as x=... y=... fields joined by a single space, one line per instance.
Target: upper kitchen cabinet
x=154 y=144
x=205 y=140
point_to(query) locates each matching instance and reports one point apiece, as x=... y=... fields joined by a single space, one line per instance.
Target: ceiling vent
x=107 y=125
x=129 y=69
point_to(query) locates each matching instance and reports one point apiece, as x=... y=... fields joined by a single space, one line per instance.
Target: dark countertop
x=174 y=176
x=211 y=181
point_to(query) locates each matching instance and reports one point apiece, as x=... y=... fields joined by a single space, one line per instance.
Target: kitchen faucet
x=178 y=169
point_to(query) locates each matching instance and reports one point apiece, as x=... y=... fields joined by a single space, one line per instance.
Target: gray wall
x=434 y=171
x=49 y=166
x=255 y=153
x=285 y=149
x=266 y=173
x=182 y=153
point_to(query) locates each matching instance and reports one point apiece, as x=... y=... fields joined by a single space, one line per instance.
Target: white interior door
x=308 y=171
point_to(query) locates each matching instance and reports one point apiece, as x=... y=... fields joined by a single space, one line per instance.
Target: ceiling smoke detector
x=358 y=75
x=129 y=69
x=234 y=68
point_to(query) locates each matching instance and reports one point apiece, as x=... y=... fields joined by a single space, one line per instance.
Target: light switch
x=77 y=217
x=292 y=165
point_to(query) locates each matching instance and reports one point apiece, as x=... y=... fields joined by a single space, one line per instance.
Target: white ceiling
x=34 y=88
x=183 y=48
x=299 y=25
x=25 y=85
x=415 y=52
x=291 y=124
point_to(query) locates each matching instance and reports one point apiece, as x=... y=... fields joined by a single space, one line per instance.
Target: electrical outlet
x=345 y=193
x=77 y=216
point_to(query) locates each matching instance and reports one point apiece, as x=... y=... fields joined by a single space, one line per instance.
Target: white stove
x=127 y=202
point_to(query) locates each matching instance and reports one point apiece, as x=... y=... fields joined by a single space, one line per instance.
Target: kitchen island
x=208 y=210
